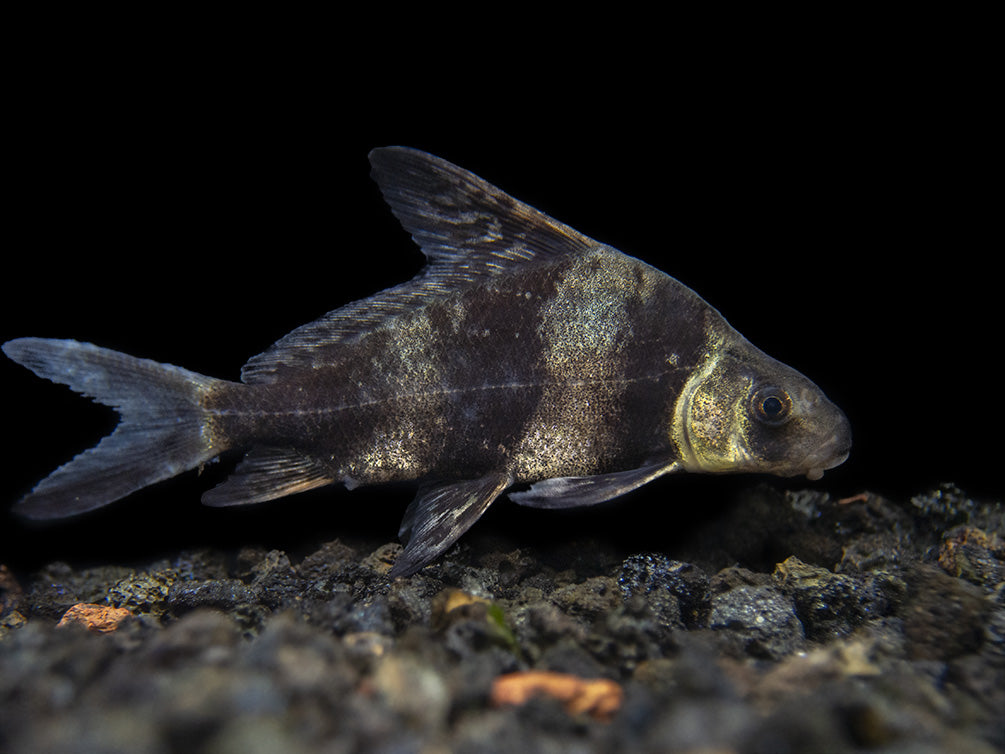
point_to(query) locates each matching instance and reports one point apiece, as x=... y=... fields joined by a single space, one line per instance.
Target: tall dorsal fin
x=462 y=223
x=467 y=228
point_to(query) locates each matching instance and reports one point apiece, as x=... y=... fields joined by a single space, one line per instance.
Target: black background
x=839 y=216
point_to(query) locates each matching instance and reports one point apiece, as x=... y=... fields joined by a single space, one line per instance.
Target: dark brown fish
x=524 y=352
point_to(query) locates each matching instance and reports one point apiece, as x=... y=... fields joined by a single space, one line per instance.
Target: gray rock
x=759 y=620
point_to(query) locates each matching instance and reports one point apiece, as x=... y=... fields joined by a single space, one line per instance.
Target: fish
x=524 y=355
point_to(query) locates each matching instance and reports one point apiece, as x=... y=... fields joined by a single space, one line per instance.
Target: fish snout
x=833 y=451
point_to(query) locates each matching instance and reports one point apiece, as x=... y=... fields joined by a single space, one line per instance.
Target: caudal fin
x=161 y=432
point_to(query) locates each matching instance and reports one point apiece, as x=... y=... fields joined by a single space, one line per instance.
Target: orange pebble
x=597 y=697
x=100 y=618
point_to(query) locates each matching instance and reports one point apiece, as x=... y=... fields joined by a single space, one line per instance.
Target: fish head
x=743 y=411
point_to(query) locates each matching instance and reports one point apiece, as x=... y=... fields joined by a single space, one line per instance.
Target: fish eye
x=771 y=405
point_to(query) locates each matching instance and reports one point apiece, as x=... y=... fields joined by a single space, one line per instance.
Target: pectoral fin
x=575 y=491
x=440 y=514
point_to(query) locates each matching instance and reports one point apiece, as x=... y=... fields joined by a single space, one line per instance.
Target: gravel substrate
x=792 y=622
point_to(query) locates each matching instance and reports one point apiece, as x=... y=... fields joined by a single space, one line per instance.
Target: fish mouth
x=816 y=472
x=831 y=454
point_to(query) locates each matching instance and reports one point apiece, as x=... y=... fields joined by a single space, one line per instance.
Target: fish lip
x=813 y=473
x=831 y=454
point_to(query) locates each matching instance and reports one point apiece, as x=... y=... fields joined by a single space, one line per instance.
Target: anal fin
x=576 y=491
x=440 y=514
x=265 y=474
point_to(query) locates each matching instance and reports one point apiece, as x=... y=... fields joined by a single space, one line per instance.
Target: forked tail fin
x=161 y=432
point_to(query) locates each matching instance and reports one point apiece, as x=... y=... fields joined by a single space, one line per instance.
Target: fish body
x=525 y=352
